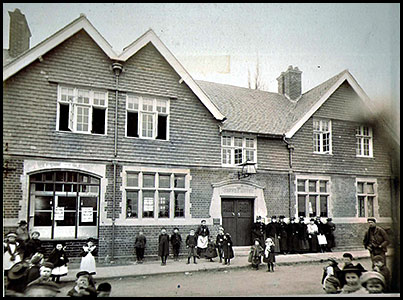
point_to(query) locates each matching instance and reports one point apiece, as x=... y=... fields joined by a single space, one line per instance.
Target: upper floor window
x=322 y=136
x=82 y=110
x=364 y=137
x=147 y=117
x=366 y=197
x=237 y=150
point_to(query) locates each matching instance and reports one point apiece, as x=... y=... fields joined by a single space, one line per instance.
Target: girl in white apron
x=11 y=254
x=88 y=259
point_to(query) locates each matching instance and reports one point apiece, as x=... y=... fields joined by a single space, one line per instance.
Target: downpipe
x=290 y=172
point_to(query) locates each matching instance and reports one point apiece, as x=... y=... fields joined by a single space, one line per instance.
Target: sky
x=223 y=42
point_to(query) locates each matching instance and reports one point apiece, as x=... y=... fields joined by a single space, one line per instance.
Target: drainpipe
x=290 y=172
x=117 y=69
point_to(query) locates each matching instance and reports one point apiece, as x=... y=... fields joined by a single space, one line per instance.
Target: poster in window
x=87 y=215
x=310 y=208
x=59 y=213
x=148 y=203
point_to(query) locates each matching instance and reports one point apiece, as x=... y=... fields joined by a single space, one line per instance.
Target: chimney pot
x=289 y=83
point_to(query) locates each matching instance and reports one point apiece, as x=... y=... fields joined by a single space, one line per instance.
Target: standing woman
x=313 y=230
x=272 y=231
x=303 y=235
x=163 y=246
x=283 y=235
x=292 y=236
x=202 y=234
x=87 y=257
x=59 y=259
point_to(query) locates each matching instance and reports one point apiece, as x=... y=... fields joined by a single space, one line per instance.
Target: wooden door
x=237 y=219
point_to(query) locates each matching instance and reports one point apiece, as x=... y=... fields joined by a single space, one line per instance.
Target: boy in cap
x=140 y=245
x=35 y=266
x=45 y=273
x=219 y=242
x=84 y=286
x=373 y=282
x=376 y=240
x=380 y=267
x=104 y=289
x=332 y=285
x=191 y=242
x=330 y=270
x=176 y=240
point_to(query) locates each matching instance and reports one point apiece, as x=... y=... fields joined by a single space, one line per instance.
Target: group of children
x=222 y=247
x=256 y=252
x=26 y=270
x=354 y=279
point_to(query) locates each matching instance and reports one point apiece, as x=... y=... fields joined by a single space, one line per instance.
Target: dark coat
x=258 y=230
x=283 y=235
x=255 y=255
x=376 y=241
x=211 y=250
x=271 y=257
x=292 y=237
x=176 y=240
x=272 y=229
x=202 y=230
x=303 y=237
x=31 y=247
x=58 y=258
x=191 y=241
x=163 y=245
x=33 y=273
x=140 y=241
x=228 y=252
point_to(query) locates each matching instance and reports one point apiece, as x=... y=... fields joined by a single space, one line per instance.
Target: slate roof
x=262 y=112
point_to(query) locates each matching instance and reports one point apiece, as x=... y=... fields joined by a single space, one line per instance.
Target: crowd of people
x=28 y=273
x=296 y=237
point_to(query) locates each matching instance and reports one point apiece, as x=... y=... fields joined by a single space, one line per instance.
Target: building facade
x=102 y=145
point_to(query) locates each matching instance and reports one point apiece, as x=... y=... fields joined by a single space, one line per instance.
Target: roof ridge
x=237 y=86
x=328 y=80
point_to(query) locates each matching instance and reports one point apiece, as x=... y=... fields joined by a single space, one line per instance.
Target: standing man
x=329 y=228
x=376 y=240
x=202 y=234
x=292 y=235
x=258 y=230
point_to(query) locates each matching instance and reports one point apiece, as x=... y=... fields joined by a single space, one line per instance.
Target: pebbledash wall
x=32 y=143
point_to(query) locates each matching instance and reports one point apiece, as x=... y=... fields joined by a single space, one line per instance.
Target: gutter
x=290 y=148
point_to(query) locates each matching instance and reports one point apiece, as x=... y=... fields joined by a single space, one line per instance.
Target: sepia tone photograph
x=201 y=149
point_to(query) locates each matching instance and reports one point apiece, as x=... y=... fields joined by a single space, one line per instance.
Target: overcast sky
x=219 y=42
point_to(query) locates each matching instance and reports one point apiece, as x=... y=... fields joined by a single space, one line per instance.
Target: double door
x=237 y=219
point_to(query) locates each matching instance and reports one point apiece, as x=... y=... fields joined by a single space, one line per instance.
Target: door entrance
x=237 y=219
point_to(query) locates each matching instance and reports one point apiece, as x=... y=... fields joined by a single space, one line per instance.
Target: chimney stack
x=289 y=83
x=19 y=33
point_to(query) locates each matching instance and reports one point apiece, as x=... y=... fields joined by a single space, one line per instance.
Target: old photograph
x=201 y=149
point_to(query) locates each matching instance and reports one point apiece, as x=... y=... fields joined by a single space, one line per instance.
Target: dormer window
x=322 y=136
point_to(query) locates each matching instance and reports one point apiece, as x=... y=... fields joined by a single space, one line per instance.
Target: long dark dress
x=31 y=247
x=270 y=258
x=258 y=230
x=163 y=245
x=255 y=255
x=211 y=250
x=303 y=237
x=329 y=228
x=228 y=252
x=272 y=230
x=292 y=237
x=283 y=236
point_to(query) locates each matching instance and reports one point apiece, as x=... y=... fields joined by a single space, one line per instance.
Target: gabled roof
x=82 y=23
x=270 y=113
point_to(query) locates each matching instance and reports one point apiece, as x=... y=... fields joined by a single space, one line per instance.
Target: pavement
x=153 y=267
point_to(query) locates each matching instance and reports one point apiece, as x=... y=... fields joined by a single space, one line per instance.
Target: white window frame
x=366 y=195
x=155 y=112
x=73 y=104
x=317 y=193
x=232 y=148
x=141 y=171
x=321 y=133
x=360 y=137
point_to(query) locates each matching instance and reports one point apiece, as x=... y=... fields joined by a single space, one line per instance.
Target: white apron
x=202 y=242
x=88 y=262
x=7 y=262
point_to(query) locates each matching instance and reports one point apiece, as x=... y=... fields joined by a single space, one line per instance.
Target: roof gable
x=82 y=23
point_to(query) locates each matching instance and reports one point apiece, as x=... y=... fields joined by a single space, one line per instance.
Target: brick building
x=101 y=145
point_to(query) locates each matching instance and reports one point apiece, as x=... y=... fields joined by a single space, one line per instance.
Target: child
x=373 y=282
x=227 y=249
x=255 y=254
x=60 y=261
x=11 y=252
x=84 y=286
x=35 y=266
x=140 y=245
x=32 y=246
x=45 y=274
x=104 y=289
x=348 y=263
x=380 y=267
x=191 y=242
x=176 y=241
x=163 y=246
x=330 y=270
x=352 y=279
x=269 y=255
x=219 y=242
x=88 y=261
x=211 y=251
x=43 y=286
x=332 y=285
x=22 y=232
x=17 y=279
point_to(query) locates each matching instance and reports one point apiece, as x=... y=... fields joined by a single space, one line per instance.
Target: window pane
x=69 y=203
x=49 y=187
x=162 y=106
x=238 y=156
x=131 y=204
x=238 y=142
x=323 y=206
x=133 y=179
x=64 y=117
x=165 y=181
x=370 y=206
x=148 y=180
x=164 y=200
x=312 y=206
x=48 y=176
x=301 y=205
x=42 y=219
x=132 y=124
x=99 y=98
x=147 y=104
x=83 y=96
x=250 y=155
x=360 y=187
x=226 y=156
x=301 y=185
x=132 y=102
x=361 y=206
x=147 y=125
x=323 y=186
x=226 y=141
x=69 y=219
x=179 y=204
x=98 y=120
x=67 y=94
x=82 y=118
x=162 y=127
x=358 y=146
x=370 y=188
x=179 y=181
x=312 y=186
x=316 y=142
x=148 y=204
x=316 y=125
x=43 y=203
x=39 y=187
x=249 y=143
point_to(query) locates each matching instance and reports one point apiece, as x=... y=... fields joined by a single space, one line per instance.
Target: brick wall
x=12 y=190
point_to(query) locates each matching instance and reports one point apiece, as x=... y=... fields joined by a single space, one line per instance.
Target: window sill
x=84 y=133
x=145 y=139
x=320 y=153
x=363 y=156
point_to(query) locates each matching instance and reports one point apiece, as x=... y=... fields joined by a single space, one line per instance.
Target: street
x=300 y=279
